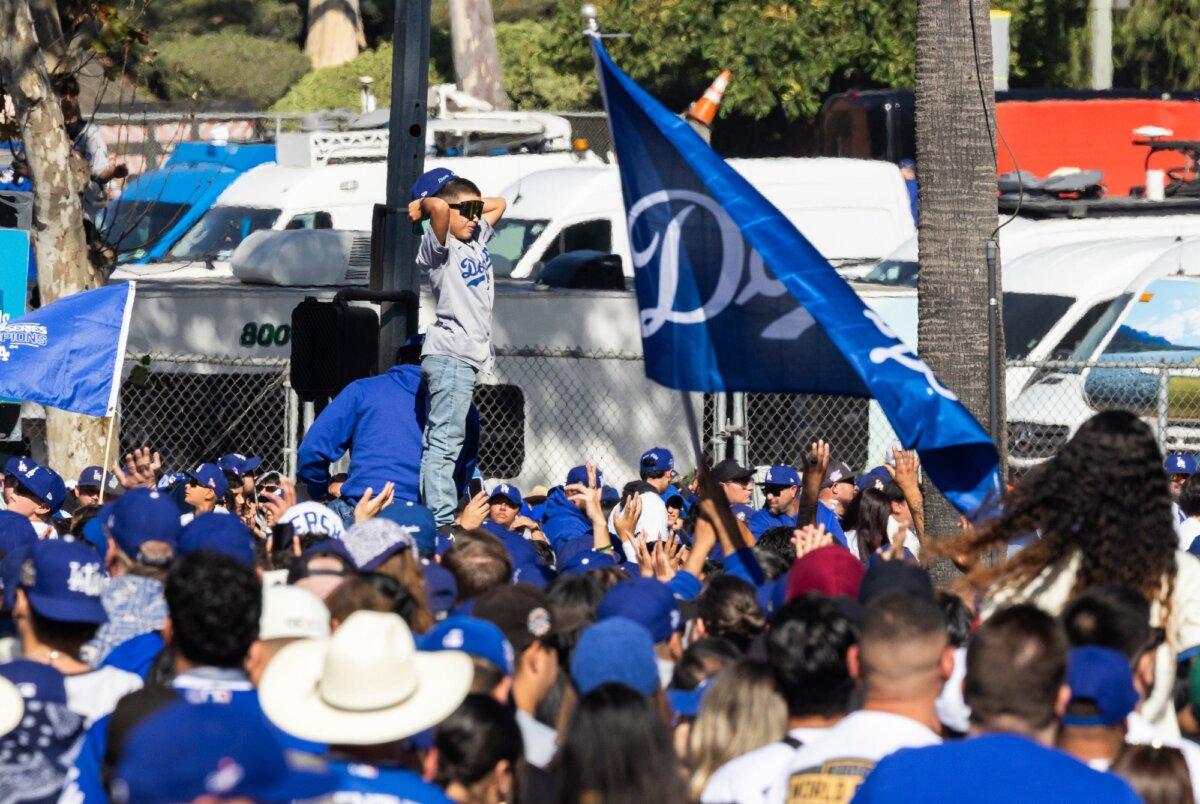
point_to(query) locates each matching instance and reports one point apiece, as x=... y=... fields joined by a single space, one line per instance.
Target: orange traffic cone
x=704 y=110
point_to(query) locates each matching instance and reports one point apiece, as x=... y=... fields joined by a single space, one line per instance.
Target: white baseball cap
x=365 y=685
x=12 y=706
x=289 y=612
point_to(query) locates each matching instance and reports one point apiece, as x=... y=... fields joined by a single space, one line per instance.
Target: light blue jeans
x=451 y=383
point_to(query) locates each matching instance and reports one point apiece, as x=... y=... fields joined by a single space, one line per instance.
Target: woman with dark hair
x=871 y=528
x=1159 y=775
x=479 y=755
x=1189 y=505
x=617 y=750
x=1101 y=515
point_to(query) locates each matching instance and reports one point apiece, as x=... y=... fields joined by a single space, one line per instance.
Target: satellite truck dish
x=1152 y=132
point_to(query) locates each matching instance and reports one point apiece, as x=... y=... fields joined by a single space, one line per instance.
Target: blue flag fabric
x=732 y=297
x=68 y=354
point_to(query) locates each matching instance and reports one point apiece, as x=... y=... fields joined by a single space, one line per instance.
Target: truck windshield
x=132 y=227
x=513 y=238
x=220 y=231
x=1161 y=324
x=1027 y=319
x=901 y=273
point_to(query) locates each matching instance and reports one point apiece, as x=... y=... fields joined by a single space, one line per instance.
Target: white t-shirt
x=831 y=769
x=95 y=694
x=541 y=741
x=1139 y=731
x=1187 y=530
x=950 y=706
x=652 y=522
x=1052 y=589
x=747 y=778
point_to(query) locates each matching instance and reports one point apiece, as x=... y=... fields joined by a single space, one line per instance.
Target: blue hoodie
x=561 y=520
x=380 y=420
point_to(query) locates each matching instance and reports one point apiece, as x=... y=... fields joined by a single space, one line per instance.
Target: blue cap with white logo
x=646 y=601
x=63 y=581
x=781 y=475
x=474 y=637
x=657 y=460
x=877 y=478
x=1180 y=463
x=92 y=477
x=417 y=521
x=210 y=476
x=234 y=463
x=139 y=516
x=431 y=181
x=508 y=492
x=579 y=474
x=18 y=465
x=44 y=484
x=218 y=532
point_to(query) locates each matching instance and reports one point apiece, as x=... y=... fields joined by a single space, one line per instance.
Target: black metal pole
x=993 y=329
x=406 y=162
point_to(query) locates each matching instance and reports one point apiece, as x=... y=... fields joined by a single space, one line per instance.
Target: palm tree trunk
x=956 y=167
x=60 y=246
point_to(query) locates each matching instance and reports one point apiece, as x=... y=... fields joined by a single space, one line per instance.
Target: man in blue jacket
x=380 y=421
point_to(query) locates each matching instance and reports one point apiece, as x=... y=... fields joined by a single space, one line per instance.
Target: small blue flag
x=69 y=353
x=732 y=297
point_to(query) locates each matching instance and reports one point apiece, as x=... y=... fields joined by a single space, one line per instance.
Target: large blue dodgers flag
x=68 y=354
x=719 y=272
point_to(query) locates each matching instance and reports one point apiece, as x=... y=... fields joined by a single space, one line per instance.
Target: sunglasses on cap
x=469 y=209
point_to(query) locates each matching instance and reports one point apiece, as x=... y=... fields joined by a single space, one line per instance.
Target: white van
x=854 y=211
x=1153 y=319
x=321 y=180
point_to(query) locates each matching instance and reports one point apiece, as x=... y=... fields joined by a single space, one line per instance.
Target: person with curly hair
x=1102 y=516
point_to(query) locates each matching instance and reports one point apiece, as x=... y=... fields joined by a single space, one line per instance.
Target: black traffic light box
x=333 y=344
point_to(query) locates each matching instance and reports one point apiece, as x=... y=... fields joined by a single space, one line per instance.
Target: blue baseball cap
x=18 y=465
x=686 y=703
x=1180 y=463
x=657 y=460
x=92 y=476
x=186 y=751
x=586 y=562
x=139 y=516
x=169 y=479
x=608 y=494
x=578 y=474
x=431 y=181
x=616 y=650
x=234 y=463
x=1103 y=677
x=877 y=478
x=10 y=573
x=15 y=531
x=43 y=483
x=781 y=475
x=64 y=581
x=534 y=573
x=508 y=492
x=218 y=532
x=646 y=601
x=93 y=530
x=417 y=521
x=474 y=637
x=210 y=475
x=441 y=590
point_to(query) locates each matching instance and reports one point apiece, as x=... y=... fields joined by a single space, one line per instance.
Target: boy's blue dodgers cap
x=139 y=516
x=1180 y=463
x=656 y=460
x=91 y=476
x=64 y=581
x=1103 y=677
x=508 y=492
x=186 y=751
x=218 y=533
x=417 y=521
x=211 y=476
x=615 y=650
x=647 y=602
x=44 y=484
x=430 y=182
x=235 y=463
x=474 y=637
x=578 y=474
x=781 y=476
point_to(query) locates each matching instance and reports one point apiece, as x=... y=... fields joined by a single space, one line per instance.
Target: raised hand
x=369 y=505
x=809 y=538
x=475 y=513
x=141 y=469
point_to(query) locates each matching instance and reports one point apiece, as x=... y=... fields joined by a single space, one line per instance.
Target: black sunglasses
x=774 y=490
x=469 y=209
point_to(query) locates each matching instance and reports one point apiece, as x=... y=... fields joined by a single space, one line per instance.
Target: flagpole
x=112 y=421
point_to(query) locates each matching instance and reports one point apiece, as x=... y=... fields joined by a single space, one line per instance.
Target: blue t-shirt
x=382 y=785
x=763 y=520
x=827 y=518
x=990 y=768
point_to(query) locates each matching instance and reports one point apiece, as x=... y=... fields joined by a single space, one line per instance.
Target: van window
x=1161 y=324
x=513 y=238
x=1027 y=319
x=1075 y=334
x=311 y=220
x=220 y=230
x=131 y=226
x=1087 y=347
x=593 y=235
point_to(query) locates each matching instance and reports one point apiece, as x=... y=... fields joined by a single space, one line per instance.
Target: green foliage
x=1156 y=44
x=273 y=19
x=337 y=87
x=1048 y=43
x=227 y=65
x=530 y=78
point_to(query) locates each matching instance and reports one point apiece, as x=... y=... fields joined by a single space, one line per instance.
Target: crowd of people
x=205 y=635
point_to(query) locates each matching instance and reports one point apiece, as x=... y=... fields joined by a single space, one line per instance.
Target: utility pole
x=1101 y=22
x=406 y=162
